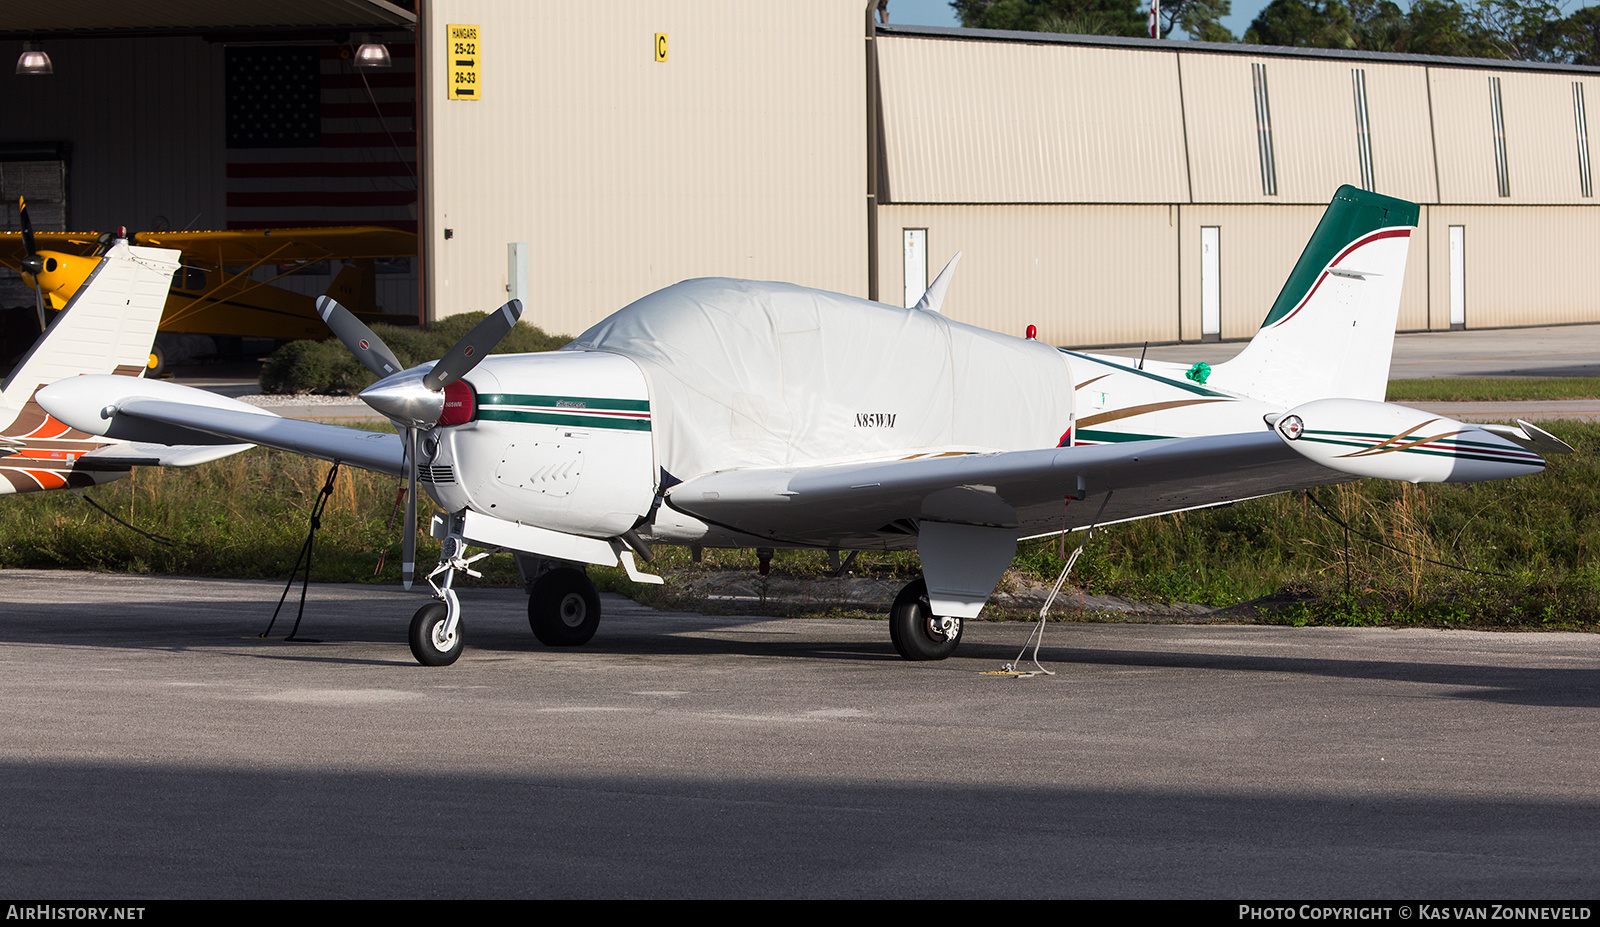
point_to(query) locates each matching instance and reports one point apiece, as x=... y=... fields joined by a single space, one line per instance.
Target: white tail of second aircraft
x=107 y=326
x=1331 y=331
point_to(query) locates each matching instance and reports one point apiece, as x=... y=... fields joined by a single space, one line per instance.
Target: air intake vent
x=436 y=475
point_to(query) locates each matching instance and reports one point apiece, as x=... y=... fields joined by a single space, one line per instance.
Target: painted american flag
x=305 y=146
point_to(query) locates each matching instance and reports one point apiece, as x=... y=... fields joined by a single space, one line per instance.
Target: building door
x=916 y=265
x=1210 y=283
x=1458 y=277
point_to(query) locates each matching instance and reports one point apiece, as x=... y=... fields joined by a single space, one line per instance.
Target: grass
x=1491 y=389
x=1533 y=540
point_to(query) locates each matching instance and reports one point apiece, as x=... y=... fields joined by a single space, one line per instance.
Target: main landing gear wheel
x=917 y=633
x=429 y=644
x=563 y=608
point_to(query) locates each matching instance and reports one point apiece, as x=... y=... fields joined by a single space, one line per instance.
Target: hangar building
x=1110 y=191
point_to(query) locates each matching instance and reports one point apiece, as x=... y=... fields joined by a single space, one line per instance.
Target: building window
x=1498 y=116
x=1363 y=130
x=1269 y=169
x=1581 y=121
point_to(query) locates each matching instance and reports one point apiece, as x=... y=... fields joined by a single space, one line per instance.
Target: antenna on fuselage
x=933 y=297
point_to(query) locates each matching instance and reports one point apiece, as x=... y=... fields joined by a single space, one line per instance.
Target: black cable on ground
x=305 y=557
x=81 y=494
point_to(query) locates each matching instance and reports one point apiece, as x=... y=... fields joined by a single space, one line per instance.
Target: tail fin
x=106 y=327
x=1331 y=331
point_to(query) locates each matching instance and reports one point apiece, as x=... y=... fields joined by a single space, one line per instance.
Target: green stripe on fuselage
x=577 y=403
x=1177 y=384
x=554 y=418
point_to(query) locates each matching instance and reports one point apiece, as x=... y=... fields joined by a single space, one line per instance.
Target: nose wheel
x=434 y=642
x=436 y=627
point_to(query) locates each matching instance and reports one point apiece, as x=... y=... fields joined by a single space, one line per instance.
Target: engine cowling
x=560 y=441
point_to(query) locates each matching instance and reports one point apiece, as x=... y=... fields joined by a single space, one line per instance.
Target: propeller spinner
x=414 y=399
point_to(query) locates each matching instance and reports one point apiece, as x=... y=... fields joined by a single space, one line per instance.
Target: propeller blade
x=27 y=226
x=408 y=544
x=368 y=348
x=38 y=304
x=469 y=350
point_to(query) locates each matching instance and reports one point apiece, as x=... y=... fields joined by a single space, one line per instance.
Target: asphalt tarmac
x=153 y=746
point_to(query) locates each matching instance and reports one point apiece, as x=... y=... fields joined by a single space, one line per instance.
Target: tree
x=1201 y=19
x=1105 y=17
x=1303 y=24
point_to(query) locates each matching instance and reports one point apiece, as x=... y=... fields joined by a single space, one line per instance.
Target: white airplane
x=729 y=413
x=106 y=328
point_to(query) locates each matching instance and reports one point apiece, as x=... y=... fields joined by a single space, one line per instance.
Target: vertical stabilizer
x=1331 y=331
x=106 y=327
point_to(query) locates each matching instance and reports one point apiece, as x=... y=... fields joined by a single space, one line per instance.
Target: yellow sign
x=661 y=46
x=462 y=54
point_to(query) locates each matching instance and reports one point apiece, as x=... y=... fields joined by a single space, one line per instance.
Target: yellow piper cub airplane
x=106 y=327
x=213 y=292
x=733 y=413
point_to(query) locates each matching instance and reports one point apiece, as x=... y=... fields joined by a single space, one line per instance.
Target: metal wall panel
x=743 y=154
x=1525 y=265
x=1402 y=132
x=1218 y=95
x=1259 y=247
x=144 y=121
x=1541 y=146
x=1009 y=122
x=1084 y=274
x=1463 y=131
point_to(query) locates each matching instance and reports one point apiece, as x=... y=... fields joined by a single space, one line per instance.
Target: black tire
x=156 y=364
x=425 y=643
x=563 y=608
x=914 y=629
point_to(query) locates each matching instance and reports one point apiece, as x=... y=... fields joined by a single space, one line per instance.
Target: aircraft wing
x=150 y=412
x=284 y=246
x=12 y=250
x=142 y=454
x=1025 y=490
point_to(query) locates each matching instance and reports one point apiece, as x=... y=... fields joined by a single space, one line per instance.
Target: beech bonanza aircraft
x=104 y=328
x=730 y=413
x=214 y=291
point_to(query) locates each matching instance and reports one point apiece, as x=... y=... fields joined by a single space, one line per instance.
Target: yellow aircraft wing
x=284 y=246
x=12 y=251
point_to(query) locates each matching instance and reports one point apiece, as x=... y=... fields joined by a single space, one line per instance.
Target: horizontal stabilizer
x=1393 y=442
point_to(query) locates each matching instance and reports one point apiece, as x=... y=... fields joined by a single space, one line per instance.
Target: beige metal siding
x=1464 y=136
x=1258 y=246
x=1218 y=99
x=1541 y=146
x=1085 y=275
x=1006 y=122
x=1524 y=265
x=741 y=155
x=1402 y=131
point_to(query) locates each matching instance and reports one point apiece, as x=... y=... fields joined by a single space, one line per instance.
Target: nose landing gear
x=436 y=628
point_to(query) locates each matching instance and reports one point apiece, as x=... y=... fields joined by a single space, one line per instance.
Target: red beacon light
x=1033 y=333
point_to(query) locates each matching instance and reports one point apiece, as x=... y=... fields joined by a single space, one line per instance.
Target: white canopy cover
x=744 y=374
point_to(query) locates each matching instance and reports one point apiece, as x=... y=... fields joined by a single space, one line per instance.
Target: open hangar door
x=204 y=115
